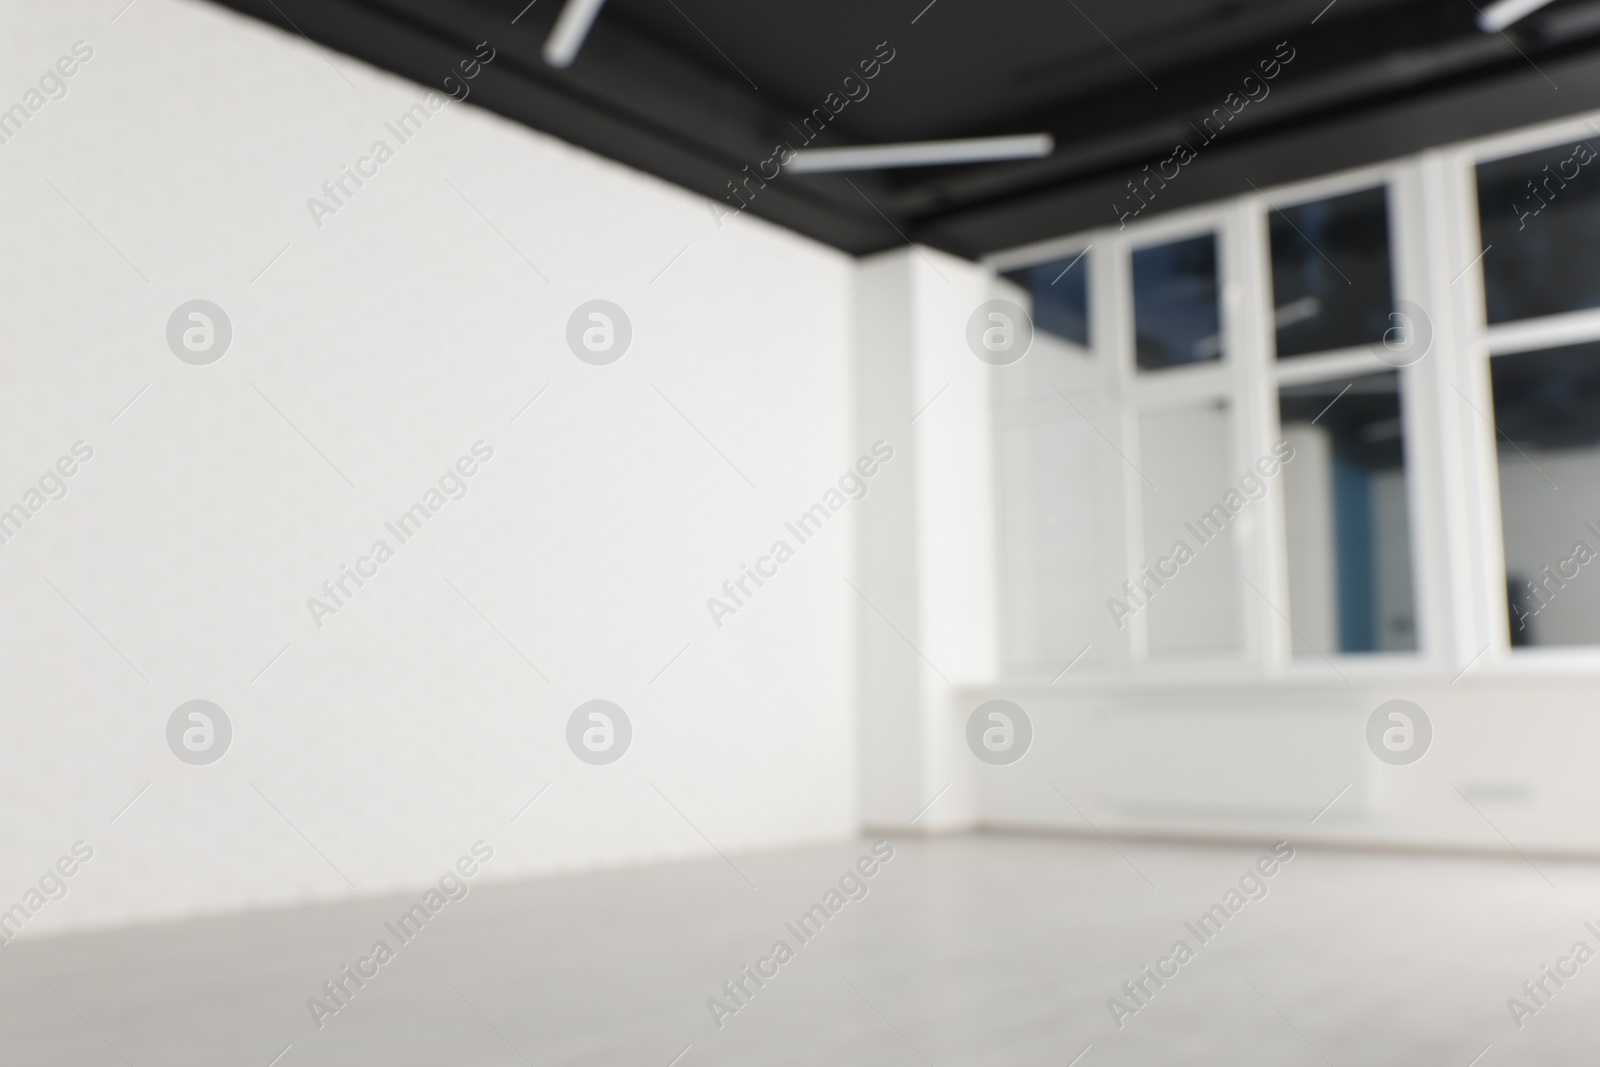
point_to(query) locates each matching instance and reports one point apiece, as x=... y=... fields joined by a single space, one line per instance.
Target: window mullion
x=1261 y=550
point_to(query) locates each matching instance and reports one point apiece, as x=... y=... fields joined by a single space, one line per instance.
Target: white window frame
x=1458 y=562
x=1480 y=341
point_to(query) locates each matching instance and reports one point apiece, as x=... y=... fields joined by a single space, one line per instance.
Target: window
x=1060 y=292
x=1424 y=338
x=1049 y=455
x=1185 y=459
x=1176 y=316
x=1347 y=528
x=1540 y=218
x=1547 y=410
x=1330 y=273
x=1347 y=524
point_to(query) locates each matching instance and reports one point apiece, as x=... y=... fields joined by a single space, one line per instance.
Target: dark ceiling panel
x=696 y=91
x=1352 y=140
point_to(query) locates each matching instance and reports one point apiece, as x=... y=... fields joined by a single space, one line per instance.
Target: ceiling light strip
x=1498 y=16
x=571 y=27
x=920 y=153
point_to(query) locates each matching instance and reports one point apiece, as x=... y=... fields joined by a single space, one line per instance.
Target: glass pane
x=1330 y=273
x=1176 y=317
x=1547 y=409
x=1540 y=218
x=1348 y=526
x=1050 y=484
x=1185 y=456
x=1060 y=291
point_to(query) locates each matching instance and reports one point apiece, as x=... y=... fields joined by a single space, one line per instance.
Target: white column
x=925 y=566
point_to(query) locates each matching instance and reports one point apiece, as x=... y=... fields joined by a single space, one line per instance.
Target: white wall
x=1260 y=760
x=394 y=337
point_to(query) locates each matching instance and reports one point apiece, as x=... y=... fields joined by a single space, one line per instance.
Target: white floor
x=982 y=950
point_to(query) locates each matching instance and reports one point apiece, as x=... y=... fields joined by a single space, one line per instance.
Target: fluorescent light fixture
x=1502 y=13
x=921 y=153
x=571 y=27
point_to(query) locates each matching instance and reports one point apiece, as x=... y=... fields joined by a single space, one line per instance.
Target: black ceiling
x=695 y=90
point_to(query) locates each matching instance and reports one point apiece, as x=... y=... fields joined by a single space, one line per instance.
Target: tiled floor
x=982 y=950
